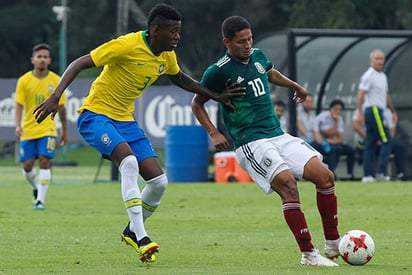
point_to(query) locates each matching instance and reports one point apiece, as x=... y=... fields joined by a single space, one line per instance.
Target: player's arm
x=50 y=105
x=187 y=83
x=198 y=108
x=62 y=115
x=18 y=115
x=279 y=79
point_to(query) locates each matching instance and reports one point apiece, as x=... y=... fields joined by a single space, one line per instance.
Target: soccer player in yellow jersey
x=132 y=63
x=38 y=141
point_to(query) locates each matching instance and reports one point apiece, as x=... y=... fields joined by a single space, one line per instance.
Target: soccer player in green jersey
x=38 y=141
x=271 y=157
x=132 y=63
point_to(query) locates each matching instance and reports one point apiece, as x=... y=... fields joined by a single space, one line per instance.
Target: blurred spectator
x=280 y=106
x=328 y=135
x=305 y=119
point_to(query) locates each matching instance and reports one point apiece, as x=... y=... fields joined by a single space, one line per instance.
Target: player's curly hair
x=232 y=25
x=164 y=11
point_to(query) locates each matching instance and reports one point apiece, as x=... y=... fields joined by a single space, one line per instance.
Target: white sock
x=152 y=194
x=31 y=177
x=43 y=185
x=129 y=171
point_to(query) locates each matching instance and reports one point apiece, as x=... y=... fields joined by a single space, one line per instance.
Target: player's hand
x=230 y=91
x=19 y=131
x=300 y=94
x=49 y=106
x=63 y=138
x=219 y=141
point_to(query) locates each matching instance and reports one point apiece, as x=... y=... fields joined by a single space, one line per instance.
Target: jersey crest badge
x=259 y=68
x=239 y=79
x=50 y=88
x=161 y=68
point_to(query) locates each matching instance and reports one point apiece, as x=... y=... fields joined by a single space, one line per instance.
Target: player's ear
x=226 y=41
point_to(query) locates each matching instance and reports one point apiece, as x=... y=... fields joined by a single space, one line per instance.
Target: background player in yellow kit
x=38 y=141
x=132 y=62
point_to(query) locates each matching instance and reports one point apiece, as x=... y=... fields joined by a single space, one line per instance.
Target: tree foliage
x=24 y=23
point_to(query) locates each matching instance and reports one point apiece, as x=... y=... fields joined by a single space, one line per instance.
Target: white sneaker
x=314 y=258
x=368 y=179
x=332 y=248
x=382 y=177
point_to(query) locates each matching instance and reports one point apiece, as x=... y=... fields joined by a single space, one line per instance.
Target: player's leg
x=103 y=134
x=316 y=172
x=28 y=155
x=156 y=184
x=152 y=173
x=46 y=149
x=305 y=162
x=271 y=173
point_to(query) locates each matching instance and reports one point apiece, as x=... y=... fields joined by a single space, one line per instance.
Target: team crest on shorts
x=267 y=162
x=105 y=139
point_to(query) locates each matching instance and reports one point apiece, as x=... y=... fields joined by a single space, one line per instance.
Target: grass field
x=202 y=228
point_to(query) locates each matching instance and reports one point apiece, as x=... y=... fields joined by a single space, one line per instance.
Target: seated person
x=280 y=106
x=398 y=149
x=328 y=135
x=305 y=119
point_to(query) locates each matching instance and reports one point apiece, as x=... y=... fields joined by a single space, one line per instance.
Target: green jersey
x=254 y=117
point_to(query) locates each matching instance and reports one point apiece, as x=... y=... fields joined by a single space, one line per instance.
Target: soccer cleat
x=368 y=179
x=382 y=177
x=146 y=252
x=400 y=177
x=332 y=249
x=313 y=258
x=39 y=206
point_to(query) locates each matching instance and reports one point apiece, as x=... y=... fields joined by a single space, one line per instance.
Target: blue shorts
x=104 y=134
x=33 y=148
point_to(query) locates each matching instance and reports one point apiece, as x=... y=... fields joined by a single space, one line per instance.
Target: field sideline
x=202 y=228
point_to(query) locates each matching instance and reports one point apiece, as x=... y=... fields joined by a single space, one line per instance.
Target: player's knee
x=129 y=166
x=158 y=184
x=286 y=186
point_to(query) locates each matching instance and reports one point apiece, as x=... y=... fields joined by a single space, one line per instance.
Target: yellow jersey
x=30 y=92
x=129 y=68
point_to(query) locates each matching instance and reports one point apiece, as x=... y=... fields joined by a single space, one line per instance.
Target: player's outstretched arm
x=50 y=105
x=187 y=83
x=278 y=78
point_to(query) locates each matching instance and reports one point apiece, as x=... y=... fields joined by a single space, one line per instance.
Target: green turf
x=202 y=228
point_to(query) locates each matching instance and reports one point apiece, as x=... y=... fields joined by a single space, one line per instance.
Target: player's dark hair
x=280 y=103
x=337 y=102
x=162 y=12
x=41 y=46
x=232 y=25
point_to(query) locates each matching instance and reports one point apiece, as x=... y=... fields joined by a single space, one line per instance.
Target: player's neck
x=40 y=74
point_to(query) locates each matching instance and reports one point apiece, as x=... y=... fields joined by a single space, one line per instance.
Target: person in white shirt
x=328 y=135
x=372 y=100
x=305 y=119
